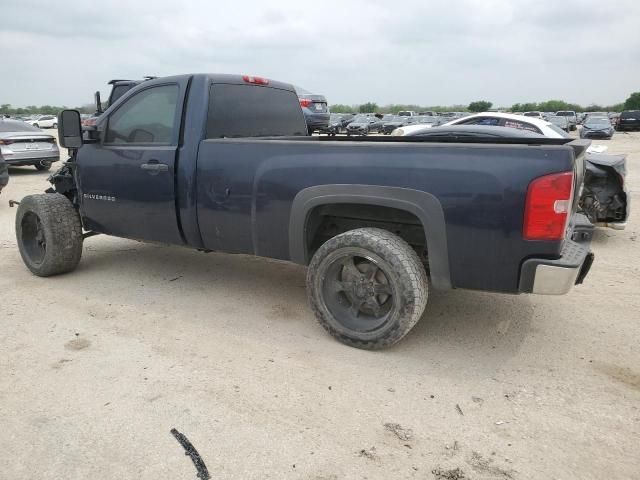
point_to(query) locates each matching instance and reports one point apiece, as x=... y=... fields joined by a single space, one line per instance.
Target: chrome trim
x=552 y=280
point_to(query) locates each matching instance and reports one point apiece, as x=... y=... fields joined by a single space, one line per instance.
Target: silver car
x=24 y=144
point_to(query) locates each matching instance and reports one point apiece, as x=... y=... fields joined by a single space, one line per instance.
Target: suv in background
x=629 y=120
x=571 y=117
x=407 y=113
x=315 y=109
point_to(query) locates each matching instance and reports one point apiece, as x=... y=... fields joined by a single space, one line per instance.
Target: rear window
x=118 y=91
x=16 y=126
x=631 y=114
x=253 y=111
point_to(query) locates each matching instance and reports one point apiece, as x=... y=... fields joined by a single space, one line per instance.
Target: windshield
x=360 y=119
x=531 y=114
x=16 y=126
x=598 y=122
x=565 y=114
x=427 y=119
x=334 y=117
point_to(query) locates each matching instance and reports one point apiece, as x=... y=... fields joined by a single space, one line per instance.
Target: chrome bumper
x=557 y=277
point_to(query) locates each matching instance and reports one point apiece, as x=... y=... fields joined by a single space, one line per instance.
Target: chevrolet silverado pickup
x=225 y=163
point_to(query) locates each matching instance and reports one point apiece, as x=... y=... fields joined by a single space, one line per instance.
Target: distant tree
x=554 y=106
x=479 y=106
x=368 y=107
x=338 y=108
x=633 y=102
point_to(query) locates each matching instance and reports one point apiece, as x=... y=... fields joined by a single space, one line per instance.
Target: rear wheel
x=367 y=288
x=49 y=234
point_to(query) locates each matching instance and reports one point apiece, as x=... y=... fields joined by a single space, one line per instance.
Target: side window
x=521 y=125
x=493 y=122
x=147 y=117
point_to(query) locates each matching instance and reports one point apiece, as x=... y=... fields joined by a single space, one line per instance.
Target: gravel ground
x=98 y=366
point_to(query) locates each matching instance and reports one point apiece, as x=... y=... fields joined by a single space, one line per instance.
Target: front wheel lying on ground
x=367 y=287
x=49 y=234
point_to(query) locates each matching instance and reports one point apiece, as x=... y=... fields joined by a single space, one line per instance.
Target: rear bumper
x=557 y=277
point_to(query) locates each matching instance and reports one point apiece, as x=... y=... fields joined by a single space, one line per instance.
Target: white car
x=44 y=121
x=495 y=119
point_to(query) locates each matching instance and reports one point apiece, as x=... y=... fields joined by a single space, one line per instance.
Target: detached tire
x=49 y=234
x=367 y=288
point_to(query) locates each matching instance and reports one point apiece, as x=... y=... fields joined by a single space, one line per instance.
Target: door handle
x=154 y=167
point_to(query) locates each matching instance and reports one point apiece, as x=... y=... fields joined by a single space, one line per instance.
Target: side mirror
x=69 y=129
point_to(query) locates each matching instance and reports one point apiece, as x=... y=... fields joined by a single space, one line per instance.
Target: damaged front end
x=604 y=198
x=63 y=181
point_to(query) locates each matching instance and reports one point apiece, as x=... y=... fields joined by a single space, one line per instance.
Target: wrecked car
x=604 y=198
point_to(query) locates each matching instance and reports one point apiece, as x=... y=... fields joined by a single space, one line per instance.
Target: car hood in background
x=617 y=162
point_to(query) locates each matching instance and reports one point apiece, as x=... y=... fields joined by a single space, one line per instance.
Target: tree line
x=632 y=103
x=7 y=109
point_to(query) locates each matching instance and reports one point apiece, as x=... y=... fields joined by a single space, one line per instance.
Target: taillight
x=89 y=122
x=305 y=102
x=548 y=206
x=255 y=80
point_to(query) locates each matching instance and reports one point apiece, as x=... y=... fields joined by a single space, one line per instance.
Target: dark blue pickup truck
x=224 y=162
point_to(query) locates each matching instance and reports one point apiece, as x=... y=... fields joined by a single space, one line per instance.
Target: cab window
x=147 y=117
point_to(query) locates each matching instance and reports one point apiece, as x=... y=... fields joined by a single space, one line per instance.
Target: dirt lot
x=98 y=365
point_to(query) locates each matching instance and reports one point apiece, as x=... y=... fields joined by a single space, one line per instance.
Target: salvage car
x=597 y=127
x=224 y=162
x=315 y=109
x=24 y=144
x=364 y=124
x=337 y=123
x=394 y=122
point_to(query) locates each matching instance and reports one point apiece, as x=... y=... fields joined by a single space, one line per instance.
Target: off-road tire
x=62 y=230
x=406 y=272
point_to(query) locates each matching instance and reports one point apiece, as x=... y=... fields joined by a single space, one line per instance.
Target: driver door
x=126 y=180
